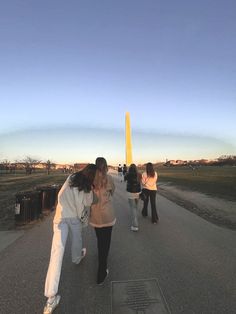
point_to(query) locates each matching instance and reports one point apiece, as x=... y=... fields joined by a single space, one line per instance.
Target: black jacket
x=133 y=182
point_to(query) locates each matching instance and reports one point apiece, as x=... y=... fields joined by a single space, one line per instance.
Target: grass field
x=214 y=181
x=10 y=184
x=22 y=182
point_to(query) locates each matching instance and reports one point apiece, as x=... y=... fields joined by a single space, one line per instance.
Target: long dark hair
x=83 y=179
x=100 y=180
x=133 y=171
x=150 y=170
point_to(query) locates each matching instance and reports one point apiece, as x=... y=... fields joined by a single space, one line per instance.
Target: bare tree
x=6 y=165
x=229 y=160
x=30 y=163
x=49 y=165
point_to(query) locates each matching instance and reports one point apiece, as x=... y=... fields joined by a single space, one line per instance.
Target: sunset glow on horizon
x=66 y=83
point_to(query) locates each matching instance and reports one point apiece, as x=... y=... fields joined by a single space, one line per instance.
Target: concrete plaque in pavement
x=137 y=297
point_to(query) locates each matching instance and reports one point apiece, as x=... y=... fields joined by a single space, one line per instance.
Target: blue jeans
x=133 y=204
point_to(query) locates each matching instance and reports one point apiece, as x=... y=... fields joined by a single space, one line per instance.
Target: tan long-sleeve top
x=102 y=213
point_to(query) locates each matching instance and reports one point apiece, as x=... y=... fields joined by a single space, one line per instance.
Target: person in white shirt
x=149 y=183
x=75 y=194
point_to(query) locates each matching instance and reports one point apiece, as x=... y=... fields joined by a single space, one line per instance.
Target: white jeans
x=60 y=234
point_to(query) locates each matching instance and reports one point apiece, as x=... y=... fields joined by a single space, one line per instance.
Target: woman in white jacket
x=75 y=194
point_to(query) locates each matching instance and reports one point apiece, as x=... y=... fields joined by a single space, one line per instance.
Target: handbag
x=84 y=218
x=143 y=195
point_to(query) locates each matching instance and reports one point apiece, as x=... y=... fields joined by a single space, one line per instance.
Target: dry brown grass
x=10 y=184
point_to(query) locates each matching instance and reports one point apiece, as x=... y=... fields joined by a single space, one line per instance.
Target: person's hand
x=95 y=198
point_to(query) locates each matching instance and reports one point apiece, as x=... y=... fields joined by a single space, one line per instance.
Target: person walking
x=149 y=183
x=75 y=194
x=133 y=178
x=124 y=170
x=120 y=171
x=102 y=216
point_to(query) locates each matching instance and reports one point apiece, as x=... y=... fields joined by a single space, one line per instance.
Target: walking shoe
x=83 y=254
x=50 y=306
x=101 y=281
x=144 y=214
x=132 y=228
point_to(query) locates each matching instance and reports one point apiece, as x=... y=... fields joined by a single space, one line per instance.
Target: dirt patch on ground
x=215 y=210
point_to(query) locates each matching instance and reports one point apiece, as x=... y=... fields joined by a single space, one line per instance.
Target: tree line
x=28 y=164
x=224 y=160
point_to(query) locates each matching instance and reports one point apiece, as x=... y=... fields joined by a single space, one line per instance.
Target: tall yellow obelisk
x=128 y=144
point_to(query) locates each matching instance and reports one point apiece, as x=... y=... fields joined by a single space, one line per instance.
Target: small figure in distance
x=75 y=194
x=120 y=172
x=149 y=183
x=124 y=170
x=133 y=178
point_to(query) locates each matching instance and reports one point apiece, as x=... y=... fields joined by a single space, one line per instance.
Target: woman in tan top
x=149 y=182
x=102 y=216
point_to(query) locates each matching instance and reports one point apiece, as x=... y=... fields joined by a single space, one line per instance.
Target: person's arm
x=144 y=179
x=88 y=199
x=95 y=198
x=111 y=185
x=156 y=176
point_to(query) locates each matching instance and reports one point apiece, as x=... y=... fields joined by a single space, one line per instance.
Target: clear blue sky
x=69 y=70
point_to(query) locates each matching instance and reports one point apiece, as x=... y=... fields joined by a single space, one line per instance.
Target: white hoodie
x=71 y=202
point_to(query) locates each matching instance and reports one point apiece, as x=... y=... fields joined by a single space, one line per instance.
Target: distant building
x=177 y=162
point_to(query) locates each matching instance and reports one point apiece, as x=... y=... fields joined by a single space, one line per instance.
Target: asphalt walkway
x=193 y=261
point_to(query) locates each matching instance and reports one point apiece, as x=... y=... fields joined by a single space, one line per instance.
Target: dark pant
x=152 y=195
x=103 y=243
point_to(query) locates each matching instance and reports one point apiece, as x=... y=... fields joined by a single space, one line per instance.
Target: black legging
x=152 y=195
x=103 y=243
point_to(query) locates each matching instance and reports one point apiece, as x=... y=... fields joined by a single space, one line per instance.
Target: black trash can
x=27 y=206
x=48 y=196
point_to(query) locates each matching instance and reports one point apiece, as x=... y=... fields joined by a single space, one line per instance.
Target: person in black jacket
x=124 y=170
x=133 y=178
x=120 y=172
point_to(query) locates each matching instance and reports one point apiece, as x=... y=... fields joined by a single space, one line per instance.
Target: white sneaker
x=83 y=254
x=50 y=307
x=134 y=228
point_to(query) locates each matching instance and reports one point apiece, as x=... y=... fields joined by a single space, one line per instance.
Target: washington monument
x=128 y=143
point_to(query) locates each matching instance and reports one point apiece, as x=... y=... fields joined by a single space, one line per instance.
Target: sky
x=69 y=70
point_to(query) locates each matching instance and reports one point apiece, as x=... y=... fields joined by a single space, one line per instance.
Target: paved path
x=193 y=260
x=8 y=237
